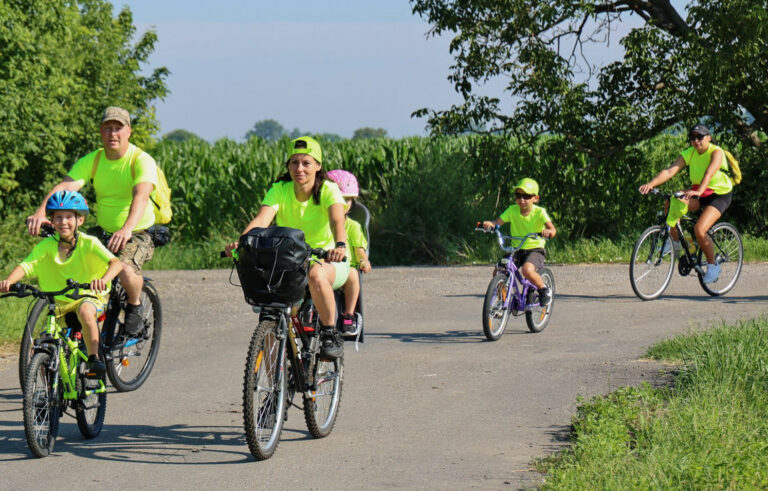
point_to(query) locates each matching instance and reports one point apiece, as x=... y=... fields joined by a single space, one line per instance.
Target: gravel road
x=427 y=402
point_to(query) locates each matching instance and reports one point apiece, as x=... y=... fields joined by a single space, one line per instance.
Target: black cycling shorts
x=719 y=201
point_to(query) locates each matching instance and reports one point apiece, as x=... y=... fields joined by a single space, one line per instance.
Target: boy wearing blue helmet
x=72 y=254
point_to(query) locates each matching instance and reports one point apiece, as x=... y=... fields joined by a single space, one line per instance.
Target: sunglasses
x=524 y=196
x=694 y=136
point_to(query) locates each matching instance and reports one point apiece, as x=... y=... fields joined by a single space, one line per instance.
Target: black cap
x=699 y=129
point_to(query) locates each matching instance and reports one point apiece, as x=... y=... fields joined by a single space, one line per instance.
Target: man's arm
x=37 y=219
x=141 y=192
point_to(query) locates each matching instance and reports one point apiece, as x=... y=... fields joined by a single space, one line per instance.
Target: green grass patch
x=708 y=431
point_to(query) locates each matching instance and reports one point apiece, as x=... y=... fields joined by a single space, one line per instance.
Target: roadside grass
x=709 y=430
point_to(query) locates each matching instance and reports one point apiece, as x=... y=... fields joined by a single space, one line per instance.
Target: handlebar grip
x=223 y=254
x=46 y=230
x=17 y=287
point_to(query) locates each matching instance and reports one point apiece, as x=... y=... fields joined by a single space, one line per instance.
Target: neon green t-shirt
x=306 y=216
x=520 y=225
x=355 y=238
x=697 y=166
x=114 y=184
x=89 y=261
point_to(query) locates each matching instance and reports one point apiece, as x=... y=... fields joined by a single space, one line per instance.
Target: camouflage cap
x=114 y=113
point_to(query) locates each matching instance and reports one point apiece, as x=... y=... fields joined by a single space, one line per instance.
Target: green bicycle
x=56 y=377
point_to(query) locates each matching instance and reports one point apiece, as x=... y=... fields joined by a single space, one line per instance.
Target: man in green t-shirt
x=123 y=179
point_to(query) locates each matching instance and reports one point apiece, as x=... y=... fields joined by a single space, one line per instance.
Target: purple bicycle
x=510 y=292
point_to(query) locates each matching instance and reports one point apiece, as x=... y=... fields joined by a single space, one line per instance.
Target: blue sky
x=320 y=66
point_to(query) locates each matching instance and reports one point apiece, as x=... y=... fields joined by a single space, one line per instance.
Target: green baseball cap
x=528 y=185
x=309 y=146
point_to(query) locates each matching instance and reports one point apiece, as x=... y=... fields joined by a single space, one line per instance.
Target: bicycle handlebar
x=320 y=253
x=21 y=290
x=676 y=194
x=502 y=238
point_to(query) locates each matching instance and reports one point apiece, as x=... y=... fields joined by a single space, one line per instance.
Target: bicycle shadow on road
x=173 y=444
x=446 y=337
x=703 y=298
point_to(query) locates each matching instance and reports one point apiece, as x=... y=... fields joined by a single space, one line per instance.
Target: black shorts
x=719 y=201
x=533 y=256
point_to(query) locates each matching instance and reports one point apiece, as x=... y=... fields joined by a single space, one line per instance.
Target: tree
x=712 y=64
x=269 y=129
x=61 y=64
x=180 y=136
x=366 y=133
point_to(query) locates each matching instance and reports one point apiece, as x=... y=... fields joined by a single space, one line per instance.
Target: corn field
x=425 y=194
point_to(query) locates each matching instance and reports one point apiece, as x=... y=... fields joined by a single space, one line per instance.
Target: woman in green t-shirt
x=305 y=199
x=711 y=190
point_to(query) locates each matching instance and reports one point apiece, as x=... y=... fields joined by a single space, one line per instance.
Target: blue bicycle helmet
x=67 y=200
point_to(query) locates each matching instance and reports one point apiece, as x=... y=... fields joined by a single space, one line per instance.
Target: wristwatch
x=341 y=244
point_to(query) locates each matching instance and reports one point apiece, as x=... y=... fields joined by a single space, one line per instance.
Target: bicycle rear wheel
x=495 y=316
x=538 y=317
x=41 y=405
x=36 y=323
x=91 y=409
x=321 y=408
x=130 y=362
x=729 y=253
x=264 y=387
x=650 y=271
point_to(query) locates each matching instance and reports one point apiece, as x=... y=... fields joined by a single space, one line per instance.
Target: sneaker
x=348 y=324
x=133 y=319
x=713 y=271
x=670 y=245
x=545 y=297
x=96 y=367
x=331 y=345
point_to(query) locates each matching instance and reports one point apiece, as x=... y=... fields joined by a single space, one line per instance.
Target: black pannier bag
x=272 y=265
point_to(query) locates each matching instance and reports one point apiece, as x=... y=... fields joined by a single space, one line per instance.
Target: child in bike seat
x=358 y=247
x=72 y=254
x=525 y=217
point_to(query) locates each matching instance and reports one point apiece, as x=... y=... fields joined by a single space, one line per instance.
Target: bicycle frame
x=67 y=367
x=517 y=284
x=291 y=328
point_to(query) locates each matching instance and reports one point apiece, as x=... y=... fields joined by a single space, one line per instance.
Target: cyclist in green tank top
x=304 y=198
x=712 y=187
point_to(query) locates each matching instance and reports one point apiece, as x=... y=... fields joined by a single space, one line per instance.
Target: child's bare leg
x=351 y=291
x=86 y=313
x=529 y=271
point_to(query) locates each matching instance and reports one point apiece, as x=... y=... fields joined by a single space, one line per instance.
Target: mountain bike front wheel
x=36 y=323
x=264 y=388
x=495 y=315
x=729 y=253
x=41 y=405
x=321 y=408
x=538 y=317
x=130 y=363
x=650 y=270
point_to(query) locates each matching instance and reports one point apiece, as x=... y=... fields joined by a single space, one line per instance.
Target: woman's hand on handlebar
x=646 y=188
x=5 y=286
x=229 y=248
x=336 y=255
